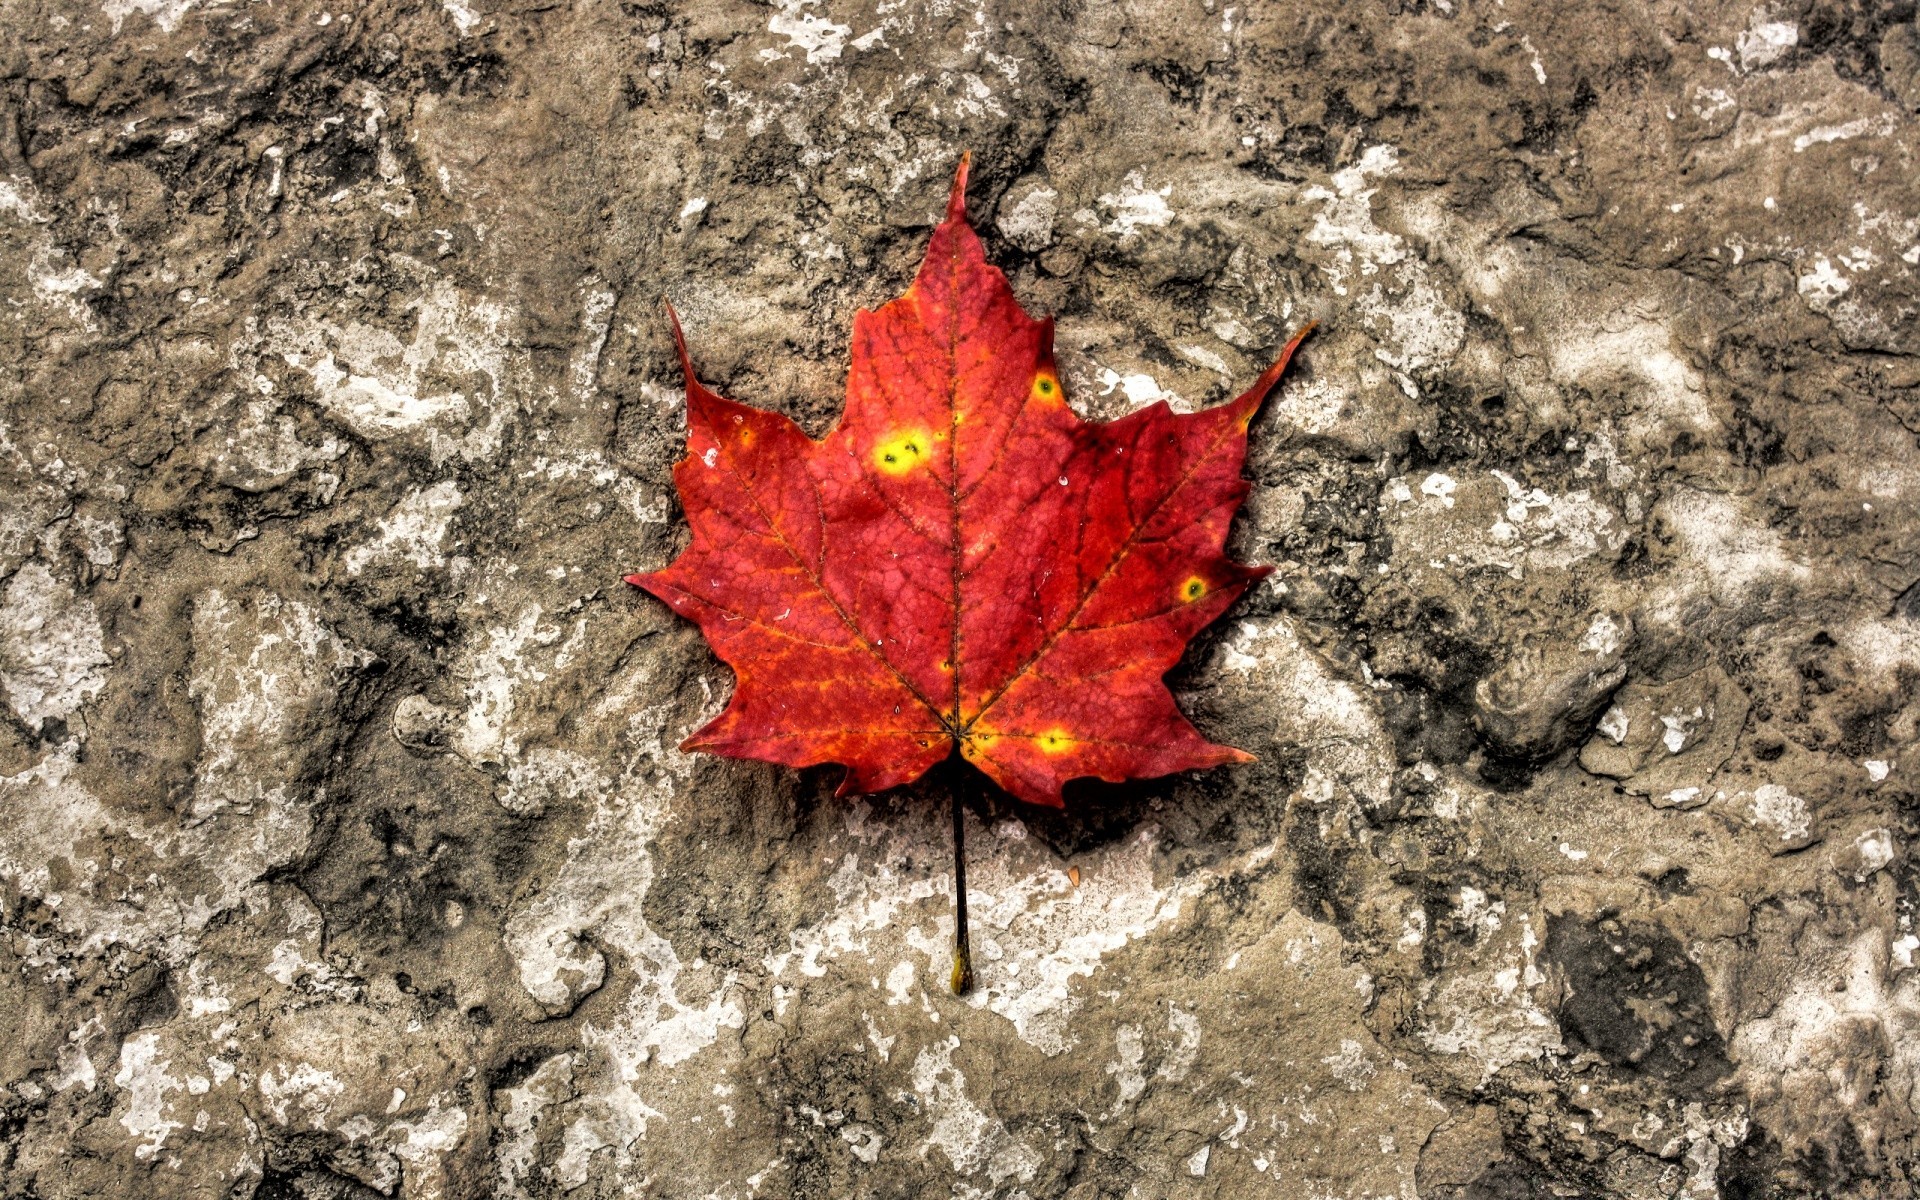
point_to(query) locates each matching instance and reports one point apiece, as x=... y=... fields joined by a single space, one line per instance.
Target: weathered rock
x=347 y=850
x=1668 y=741
x=1460 y=1151
x=420 y=724
x=1541 y=700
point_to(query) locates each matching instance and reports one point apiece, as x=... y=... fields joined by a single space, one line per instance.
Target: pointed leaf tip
x=635 y=580
x=679 y=337
x=957 y=199
x=1286 y=352
x=1257 y=394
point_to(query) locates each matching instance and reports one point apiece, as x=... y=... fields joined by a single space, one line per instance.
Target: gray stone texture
x=344 y=845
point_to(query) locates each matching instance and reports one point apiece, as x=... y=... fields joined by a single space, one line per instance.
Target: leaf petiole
x=962 y=979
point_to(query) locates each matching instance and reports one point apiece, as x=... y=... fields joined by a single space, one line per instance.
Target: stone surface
x=346 y=851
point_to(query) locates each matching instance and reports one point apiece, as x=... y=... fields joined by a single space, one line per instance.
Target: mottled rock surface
x=345 y=849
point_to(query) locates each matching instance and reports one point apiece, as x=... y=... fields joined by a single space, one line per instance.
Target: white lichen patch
x=1883 y=649
x=595 y=900
x=266 y=674
x=75 y=1061
x=464 y=18
x=1311 y=407
x=1765 y=39
x=53 y=852
x=265 y=448
x=165 y=14
x=1873 y=851
x=525 y=1110
x=1593 y=335
x=547 y=776
x=972 y=1139
x=1880 y=125
x=414 y=532
x=1492 y=519
x=144 y=1078
x=1345 y=222
x=1414 y=325
x=1725 y=552
x=1351 y=1066
x=1489 y=1013
x=496 y=662
x=1438 y=484
x=1028 y=222
x=98 y=540
x=1821 y=285
x=1785 y=814
x=869 y=897
x=266 y=670
x=30 y=511
x=18 y=199
x=372 y=407
x=422 y=1145
x=863 y=1141
x=1135 y=206
x=60 y=288
x=596 y=322
x=1842 y=1028
x=1129 y=1051
x=1036 y=933
x=382 y=386
x=646 y=506
x=1333 y=720
x=1604 y=636
x=52 y=660
x=1556 y=530
x=1140 y=389
x=1637 y=355
x=62 y=285
x=300 y=1094
x=806 y=31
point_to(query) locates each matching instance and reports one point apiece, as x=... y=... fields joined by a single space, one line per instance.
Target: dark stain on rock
x=1630 y=994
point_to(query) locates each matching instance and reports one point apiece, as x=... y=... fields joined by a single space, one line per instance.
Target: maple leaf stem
x=959 y=776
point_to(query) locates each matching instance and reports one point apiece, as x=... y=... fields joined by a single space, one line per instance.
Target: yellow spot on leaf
x=1055 y=741
x=902 y=452
x=1192 y=589
x=1046 y=386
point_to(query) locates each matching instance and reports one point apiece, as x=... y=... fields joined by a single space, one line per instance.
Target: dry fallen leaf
x=962 y=562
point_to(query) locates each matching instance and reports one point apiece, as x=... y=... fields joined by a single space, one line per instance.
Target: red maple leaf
x=962 y=561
